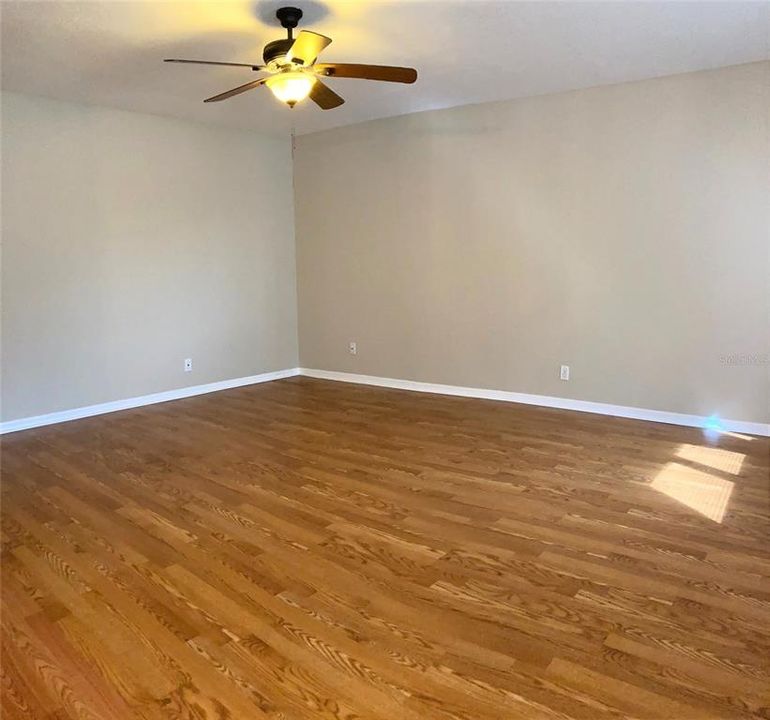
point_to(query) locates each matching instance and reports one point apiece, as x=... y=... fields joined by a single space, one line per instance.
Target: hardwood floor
x=308 y=549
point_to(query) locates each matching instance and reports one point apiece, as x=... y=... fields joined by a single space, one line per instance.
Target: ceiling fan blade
x=236 y=91
x=323 y=96
x=307 y=47
x=213 y=62
x=367 y=72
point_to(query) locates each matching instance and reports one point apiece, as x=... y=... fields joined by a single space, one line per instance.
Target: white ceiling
x=466 y=51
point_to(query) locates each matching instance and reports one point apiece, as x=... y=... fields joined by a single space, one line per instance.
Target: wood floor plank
x=307 y=549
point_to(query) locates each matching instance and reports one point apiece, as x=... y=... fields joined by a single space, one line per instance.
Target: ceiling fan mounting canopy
x=289 y=17
x=294 y=74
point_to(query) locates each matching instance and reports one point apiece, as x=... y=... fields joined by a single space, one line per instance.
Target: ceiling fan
x=294 y=73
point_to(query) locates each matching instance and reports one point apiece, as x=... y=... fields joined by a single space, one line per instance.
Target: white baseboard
x=739 y=426
x=134 y=402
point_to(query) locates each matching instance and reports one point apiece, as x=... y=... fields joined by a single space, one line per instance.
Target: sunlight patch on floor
x=724 y=460
x=707 y=494
x=740 y=436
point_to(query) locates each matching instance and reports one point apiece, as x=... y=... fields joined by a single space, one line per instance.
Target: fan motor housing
x=276 y=49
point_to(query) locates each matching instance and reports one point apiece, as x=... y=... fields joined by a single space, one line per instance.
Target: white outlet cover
x=564 y=372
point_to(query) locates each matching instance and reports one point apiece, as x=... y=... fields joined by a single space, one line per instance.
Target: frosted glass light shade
x=290 y=87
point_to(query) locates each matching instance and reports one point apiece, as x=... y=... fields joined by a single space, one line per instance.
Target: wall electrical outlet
x=564 y=372
x=353 y=348
x=188 y=365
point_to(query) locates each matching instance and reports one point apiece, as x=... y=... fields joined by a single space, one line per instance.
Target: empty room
x=385 y=360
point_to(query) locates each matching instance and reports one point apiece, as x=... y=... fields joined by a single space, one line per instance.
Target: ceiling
x=466 y=51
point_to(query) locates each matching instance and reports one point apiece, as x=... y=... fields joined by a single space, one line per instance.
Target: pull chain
x=293 y=147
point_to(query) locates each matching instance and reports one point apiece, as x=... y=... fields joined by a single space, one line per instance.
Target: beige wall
x=621 y=230
x=131 y=242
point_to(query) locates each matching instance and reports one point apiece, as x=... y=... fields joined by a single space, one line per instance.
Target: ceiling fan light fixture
x=294 y=73
x=291 y=86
